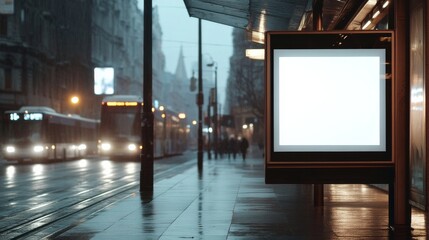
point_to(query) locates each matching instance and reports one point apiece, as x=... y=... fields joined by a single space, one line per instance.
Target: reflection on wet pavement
x=231 y=201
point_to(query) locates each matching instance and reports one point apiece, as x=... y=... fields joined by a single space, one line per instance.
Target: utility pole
x=215 y=110
x=209 y=123
x=200 y=100
x=146 y=156
x=215 y=113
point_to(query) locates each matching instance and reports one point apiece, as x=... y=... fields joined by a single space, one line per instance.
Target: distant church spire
x=181 y=68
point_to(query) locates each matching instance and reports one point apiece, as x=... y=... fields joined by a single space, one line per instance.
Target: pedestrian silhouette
x=232 y=148
x=244 y=144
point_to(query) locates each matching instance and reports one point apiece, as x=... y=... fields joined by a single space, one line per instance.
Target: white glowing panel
x=104 y=80
x=329 y=100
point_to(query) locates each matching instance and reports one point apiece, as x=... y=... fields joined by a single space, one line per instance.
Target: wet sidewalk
x=230 y=200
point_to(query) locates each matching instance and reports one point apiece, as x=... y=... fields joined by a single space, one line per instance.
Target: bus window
x=25 y=131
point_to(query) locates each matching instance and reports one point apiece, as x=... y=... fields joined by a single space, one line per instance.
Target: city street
x=49 y=198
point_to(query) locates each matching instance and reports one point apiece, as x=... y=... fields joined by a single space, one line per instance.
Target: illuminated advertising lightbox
x=329 y=96
x=338 y=105
x=104 y=80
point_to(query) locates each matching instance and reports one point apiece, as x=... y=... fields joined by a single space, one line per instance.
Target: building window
x=3 y=25
x=8 y=79
x=2 y=80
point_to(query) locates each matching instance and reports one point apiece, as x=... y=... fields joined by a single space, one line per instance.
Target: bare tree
x=248 y=85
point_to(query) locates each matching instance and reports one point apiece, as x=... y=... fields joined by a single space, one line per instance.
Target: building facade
x=245 y=100
x=49 y=48
x=45 y=54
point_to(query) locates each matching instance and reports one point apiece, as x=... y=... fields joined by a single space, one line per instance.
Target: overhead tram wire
x=194 y=43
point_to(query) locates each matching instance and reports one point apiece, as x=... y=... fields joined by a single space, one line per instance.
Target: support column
x=317 y=15
x=318 y=193
x=401 y=88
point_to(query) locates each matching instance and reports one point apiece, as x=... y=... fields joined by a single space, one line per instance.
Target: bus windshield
x=24 y=131
x=120 y=123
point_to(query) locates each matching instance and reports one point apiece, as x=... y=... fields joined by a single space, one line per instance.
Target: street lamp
x=164 y=130
x=74 y=100
x=215 y=132
x=182 y=115
x=209 y=154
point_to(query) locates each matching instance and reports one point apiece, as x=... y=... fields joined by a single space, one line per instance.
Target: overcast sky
x=180 y=30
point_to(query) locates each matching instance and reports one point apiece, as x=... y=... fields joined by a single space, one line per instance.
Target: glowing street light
x=74 y=100
x=182 y=115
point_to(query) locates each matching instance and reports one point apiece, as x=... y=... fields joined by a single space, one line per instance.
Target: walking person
x=244 y=145
x=232 y=148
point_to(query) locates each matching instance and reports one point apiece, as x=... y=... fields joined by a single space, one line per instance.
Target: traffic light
x=193 y=85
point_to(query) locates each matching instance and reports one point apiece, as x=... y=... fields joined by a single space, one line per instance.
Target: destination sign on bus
x=26 y=116
x=118 y=104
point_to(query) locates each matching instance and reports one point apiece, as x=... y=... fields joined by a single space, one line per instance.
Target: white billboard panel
x=104 y=83
x=329 y=100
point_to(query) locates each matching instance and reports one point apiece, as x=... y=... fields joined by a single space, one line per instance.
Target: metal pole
x=164 y=134
x=200 y=100
x=215 y=136
x=218 y=123
x=146 y=156
x=318 y=26
x=209 y=122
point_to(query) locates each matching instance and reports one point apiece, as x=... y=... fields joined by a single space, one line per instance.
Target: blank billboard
x=328 y=96
x=329 y=100
x=104 y=80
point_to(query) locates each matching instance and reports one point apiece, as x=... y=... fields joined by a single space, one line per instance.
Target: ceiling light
x=366 y=24
x=257 y=54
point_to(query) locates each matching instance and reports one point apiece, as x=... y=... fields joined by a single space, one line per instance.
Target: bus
x=120 y=126
x=120 y=129
x=40 y=133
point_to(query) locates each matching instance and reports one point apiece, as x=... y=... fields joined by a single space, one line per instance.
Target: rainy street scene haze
x=213 y=119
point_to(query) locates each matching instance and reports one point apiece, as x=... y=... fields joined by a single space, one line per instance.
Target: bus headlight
x=106 y=146
x=38 y=148
x=132 y=147
x=10 y=149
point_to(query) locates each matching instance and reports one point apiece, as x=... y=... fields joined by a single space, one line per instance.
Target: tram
x=120 y=129
x=40 y=133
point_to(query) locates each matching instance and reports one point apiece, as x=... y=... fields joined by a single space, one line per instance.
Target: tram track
x=61 y=217
x=51 y=204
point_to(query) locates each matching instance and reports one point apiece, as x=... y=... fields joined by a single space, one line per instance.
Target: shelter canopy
x=267 y=15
